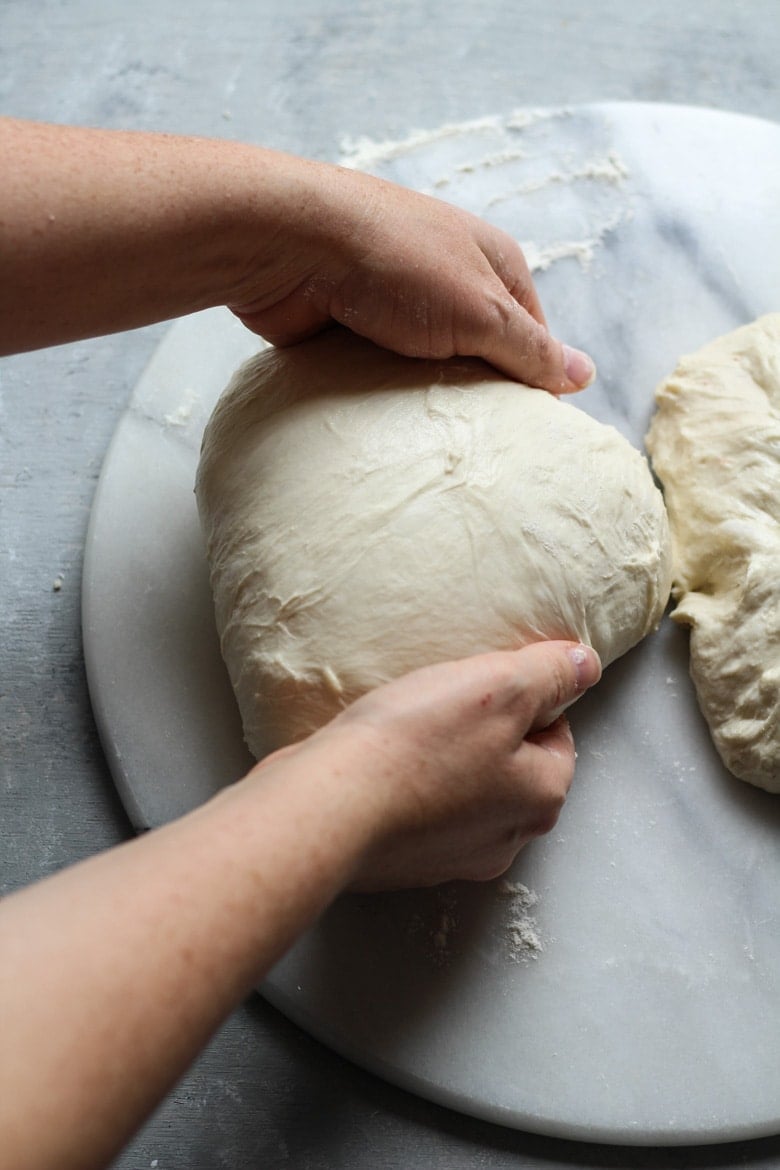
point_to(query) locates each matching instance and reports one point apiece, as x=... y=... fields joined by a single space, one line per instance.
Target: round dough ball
x=366 y=514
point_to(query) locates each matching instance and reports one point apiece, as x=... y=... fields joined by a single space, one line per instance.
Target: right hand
x=459 y=764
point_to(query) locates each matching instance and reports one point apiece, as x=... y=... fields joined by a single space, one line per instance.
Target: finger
x=547 y=760
x=556 y=739
x=550 y=677
x=509 y=338
x=528 y=299
x=508 y=261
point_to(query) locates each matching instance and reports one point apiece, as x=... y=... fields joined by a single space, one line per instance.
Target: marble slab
x=632 y=992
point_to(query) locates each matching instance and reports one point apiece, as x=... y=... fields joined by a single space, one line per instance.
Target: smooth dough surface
x=366 y=514
x=715 y=445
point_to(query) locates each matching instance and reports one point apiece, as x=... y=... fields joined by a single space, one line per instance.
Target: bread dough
x=366 y=514
x=715 y=445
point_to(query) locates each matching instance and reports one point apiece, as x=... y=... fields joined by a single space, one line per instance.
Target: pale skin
x=115 y=972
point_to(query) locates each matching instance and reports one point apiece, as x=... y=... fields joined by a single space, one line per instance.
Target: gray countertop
x=302 y=76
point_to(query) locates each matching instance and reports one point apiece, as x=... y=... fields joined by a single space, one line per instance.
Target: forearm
x=116 y=972
x=104 y=230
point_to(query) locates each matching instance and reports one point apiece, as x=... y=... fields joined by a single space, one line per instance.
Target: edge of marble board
x=648 y=1136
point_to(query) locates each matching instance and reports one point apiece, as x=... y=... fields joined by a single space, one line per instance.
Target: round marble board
x=626 y=986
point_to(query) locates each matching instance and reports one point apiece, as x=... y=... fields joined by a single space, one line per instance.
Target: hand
x=461 y=764
x=120 y=968
x=411 y=273
x=141 y=227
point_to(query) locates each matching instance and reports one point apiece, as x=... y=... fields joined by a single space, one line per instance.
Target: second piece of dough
x=715 y=445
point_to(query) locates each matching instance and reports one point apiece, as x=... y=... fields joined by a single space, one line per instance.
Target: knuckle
x=510 y=263
x=495 y=860
x=548 y=795
x=540 y=352
x=549 y=813
x=506 y=313
x=545 y=347
x=495 y=868
x=493 y=314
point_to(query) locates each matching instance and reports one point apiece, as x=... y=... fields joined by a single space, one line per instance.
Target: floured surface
x=496 y=166
x=652 y=1012
x=715 y=444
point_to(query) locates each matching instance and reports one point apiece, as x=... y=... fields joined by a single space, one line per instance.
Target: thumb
x=552 y=676
x=525 y=350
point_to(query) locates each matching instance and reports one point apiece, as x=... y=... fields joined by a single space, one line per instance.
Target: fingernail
x=580 y=369
x=587 y=665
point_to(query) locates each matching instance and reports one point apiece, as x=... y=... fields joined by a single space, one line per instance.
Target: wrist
x=311 y=807
x=296 y=223
x=276 y=213
x=358 y=778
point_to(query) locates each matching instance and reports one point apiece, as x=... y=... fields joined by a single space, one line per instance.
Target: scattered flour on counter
x=363 y=153
x=463 y=153
x=521 y=929
x=610 y=169
x=360 y=154
x=522 y=119
x=500 y=158
x=518 y=929
x=540 y=259
x=445 y=924
x=584 y=251
x=181 y=416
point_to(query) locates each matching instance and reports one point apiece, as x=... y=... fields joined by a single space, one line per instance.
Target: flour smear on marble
x=516 y=926
x=507 y=170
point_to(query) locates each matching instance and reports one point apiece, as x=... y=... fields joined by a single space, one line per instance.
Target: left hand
x=411 y=273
